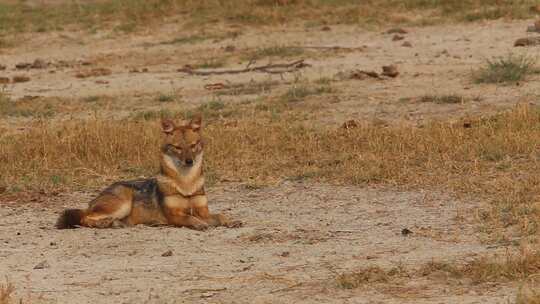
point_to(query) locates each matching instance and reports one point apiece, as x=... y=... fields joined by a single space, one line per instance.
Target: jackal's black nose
x=189 y=161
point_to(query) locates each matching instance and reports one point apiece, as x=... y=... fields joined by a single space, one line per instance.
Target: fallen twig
x=347 y=231
x=332 y=48
x=278 y=68
x=201 y=290
x=286 y=288
x=48 y=90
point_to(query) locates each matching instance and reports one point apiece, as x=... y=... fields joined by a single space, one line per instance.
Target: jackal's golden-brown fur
x=175 y=196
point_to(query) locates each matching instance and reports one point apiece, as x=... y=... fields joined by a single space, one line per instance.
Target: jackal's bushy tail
x=70 y=218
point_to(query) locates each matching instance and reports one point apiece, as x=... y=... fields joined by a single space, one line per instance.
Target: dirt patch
x=296 y=239
x=440 y=62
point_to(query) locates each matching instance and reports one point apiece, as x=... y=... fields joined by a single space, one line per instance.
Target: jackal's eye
x=176 y=148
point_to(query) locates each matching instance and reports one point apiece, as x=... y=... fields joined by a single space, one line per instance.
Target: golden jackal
x=174 y=197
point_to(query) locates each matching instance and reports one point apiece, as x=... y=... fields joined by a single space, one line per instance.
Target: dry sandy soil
x=297 y=237
x=440 y=62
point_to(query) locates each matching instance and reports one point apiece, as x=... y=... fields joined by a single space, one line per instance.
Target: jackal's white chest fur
x=187 y=180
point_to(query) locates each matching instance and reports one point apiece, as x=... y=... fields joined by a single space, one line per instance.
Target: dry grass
x=128 y=15
x=443 y=99
x=529 y=293
x=517 y=267
x=249 y=88
x=274 y=51
x=212 y=63
x=299 y=92
x=202 y=36
x=40 y=107
x=25 y=108
x=369 y=275
x=495 y=159
x=59 y=108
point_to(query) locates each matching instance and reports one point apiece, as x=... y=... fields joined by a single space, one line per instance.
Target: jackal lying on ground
x=174 y=197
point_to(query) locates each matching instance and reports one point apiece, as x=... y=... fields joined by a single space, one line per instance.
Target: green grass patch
x=300 y=92
x=511 y=68
x=274 y=51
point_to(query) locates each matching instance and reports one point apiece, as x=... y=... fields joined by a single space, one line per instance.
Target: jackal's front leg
x=216 y=220
x=180 y=219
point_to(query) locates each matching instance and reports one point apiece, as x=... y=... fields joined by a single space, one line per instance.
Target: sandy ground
x=297 y=237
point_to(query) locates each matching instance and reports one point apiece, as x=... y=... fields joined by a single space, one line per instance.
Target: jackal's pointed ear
x=167 y=125
x=196 y=122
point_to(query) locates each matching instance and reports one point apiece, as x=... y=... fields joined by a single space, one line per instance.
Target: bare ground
x=440 y=61
x=297 y=237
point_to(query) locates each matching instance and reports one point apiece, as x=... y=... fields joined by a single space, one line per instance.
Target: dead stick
x=204 y=290
x=265 y=69
x=314 y=47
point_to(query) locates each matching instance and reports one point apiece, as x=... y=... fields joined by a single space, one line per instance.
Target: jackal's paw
x=200 y=226
x=234 y=224
x=103 y=223
x=118 y=224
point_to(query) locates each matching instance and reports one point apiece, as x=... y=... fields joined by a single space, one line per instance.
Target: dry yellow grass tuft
x=369 y=275
x=529 y=293
x=513 y=267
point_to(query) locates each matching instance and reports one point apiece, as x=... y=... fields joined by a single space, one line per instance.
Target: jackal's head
x=182 y=148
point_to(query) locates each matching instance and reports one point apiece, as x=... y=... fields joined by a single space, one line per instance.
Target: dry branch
x=278 y=68
x=333 y=48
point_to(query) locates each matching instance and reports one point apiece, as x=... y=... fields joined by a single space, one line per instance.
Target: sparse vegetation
x=370 y=275
x=212 y=63
x=496 y=149
x=166 y=98
x=6 y=105
x=212 y=110
x=481 y=270
x=187 y=39
x=24 y=108
x=299 y=92
x=126 y=27
x=529 y=293
x=195 y=38
x=250 y=88
x=91 y=99
x=512 y=68
x=4 y=43
x=214 y=105
x=155 y=114
x=275 y=51
x=324 y=81
x=129 y=15
x=442 y=99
